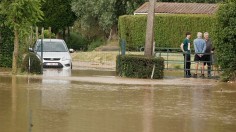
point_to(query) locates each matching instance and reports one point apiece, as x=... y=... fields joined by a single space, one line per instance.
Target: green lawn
x=175 y=59
x=95 y=56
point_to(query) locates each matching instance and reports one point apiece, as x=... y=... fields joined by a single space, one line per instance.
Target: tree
x=20 y=15
x=226 y=39
x=57 y=15
x=103 y=14
x=98 y=14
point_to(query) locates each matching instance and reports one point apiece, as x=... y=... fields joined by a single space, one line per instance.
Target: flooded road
x=70 y=106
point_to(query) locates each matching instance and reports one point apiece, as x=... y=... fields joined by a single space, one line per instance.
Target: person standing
x=208 y=56
x=185 y=47
x=199 y=47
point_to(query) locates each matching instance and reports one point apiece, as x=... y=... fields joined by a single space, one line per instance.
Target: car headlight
x=64 y=59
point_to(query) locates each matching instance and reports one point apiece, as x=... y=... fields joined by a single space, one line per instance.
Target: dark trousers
x=187 y=64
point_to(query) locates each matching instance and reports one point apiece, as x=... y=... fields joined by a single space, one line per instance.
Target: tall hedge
x=226 y=40
x=169 y=28
x=6 y=44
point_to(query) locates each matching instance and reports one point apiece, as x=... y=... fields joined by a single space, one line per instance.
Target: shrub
x=35 y=64
x=47 y=34
x=226 y=40
x=137 y=66
x=77 y=42
x=96 y=43
x=169 y=29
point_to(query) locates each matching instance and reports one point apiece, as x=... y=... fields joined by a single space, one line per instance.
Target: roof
x=179 y=8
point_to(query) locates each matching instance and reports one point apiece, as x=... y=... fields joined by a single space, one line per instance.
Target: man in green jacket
x=185 y=47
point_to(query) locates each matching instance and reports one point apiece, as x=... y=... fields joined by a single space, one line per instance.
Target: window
x=51 y=47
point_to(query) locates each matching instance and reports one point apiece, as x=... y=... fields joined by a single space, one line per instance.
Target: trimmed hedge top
x=137 y=66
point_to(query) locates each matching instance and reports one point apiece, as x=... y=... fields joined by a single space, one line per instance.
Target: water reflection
x=82 y=107
x=198 y=106
x=54 y=92
x=17 y=123
x=92 y=73
x=56 y=73
x=148 y=109
x=13 y=101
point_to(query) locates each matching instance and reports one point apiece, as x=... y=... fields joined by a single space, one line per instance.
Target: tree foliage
x=102 y=14
x=57 y=14
x=226 y=39
x=21 y=14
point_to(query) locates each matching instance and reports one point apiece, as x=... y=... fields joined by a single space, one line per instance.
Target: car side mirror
x=71 y=50
x=31 y=50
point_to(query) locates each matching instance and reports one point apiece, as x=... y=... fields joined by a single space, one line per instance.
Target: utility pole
x=148 y=51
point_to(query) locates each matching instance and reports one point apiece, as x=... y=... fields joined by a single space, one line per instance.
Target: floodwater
x=46 y=105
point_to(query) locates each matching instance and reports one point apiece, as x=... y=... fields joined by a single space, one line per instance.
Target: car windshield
x=51 y=47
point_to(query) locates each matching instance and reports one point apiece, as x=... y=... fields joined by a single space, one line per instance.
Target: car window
x=51 y=47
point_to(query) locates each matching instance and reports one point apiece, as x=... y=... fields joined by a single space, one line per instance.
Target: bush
x=169 y=29
x=47 y=34
x=226 y=40
x=96 y=43
x=137 y=66
x=35 y=64
x=77 y=42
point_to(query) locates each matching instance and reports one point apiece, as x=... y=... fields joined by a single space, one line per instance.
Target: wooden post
x=150 y=29
x=31 y=36
x=50 y=32
x=37 y=33
x=42 y=49
x=42 y=32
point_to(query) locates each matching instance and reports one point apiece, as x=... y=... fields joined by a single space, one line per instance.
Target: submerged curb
x=131 y=81
x=113 y=80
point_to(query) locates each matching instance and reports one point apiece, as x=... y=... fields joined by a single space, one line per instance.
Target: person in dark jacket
x=208 y=51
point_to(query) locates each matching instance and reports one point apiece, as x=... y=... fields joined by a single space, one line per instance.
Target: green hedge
x=169 y=29
x=6 y=44
x=137 y=66
x=35 y=64
x=226 y=40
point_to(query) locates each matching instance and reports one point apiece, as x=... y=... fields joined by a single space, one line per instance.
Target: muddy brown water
x=71 y=106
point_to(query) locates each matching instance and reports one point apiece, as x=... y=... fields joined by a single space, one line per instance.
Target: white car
x=55 y=53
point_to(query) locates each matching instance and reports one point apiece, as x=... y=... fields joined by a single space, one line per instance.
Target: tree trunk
x=64 y=33
x=15 y=52
x=113 y=33
x=150 y=29
x=68 y=30
x=68 y=34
